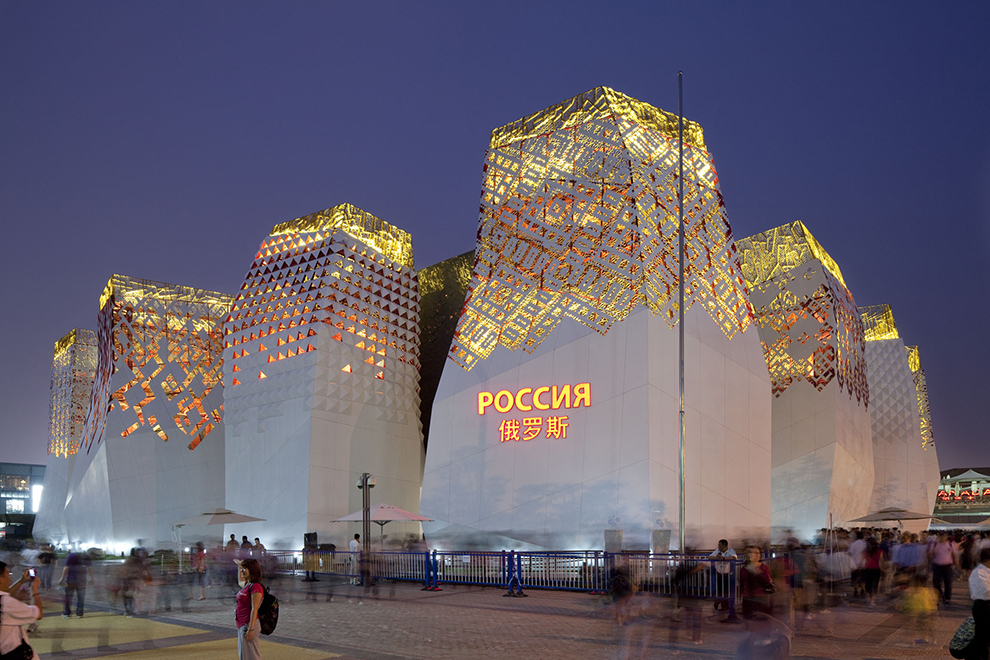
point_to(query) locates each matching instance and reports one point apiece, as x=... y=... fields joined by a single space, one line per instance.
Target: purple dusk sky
x=162 y=140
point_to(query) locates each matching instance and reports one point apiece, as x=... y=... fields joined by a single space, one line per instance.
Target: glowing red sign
x=526 y=399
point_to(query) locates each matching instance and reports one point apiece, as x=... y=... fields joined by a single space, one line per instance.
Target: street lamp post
x=365 y=483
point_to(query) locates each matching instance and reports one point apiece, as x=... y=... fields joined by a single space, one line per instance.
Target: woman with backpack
x=246 y=613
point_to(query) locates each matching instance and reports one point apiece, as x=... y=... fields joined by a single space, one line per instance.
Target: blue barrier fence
x=691 y=576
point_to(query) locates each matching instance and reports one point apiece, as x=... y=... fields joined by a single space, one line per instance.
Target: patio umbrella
x=896 y=514
x=218 y=516
x=384 y=514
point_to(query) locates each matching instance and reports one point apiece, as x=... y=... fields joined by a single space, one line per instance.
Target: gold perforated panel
x=370 y=230
x=878 y=322
x=809 y=324
x=319 y=286
x=921 y=388
x=160 y=347
x=579 y=218
x=73 y=369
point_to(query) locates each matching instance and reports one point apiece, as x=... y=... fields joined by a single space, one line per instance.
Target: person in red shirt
x=246 y=613
x=872 y=568
x=755 y=584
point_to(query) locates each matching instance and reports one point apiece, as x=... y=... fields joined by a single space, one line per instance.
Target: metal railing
x=691 y=576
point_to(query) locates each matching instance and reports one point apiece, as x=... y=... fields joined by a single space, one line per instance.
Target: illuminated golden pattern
x=878 y=323
x=601 y=103
x=391 y=241
x=579 y=218
x=160 y=346
x=914 y=359
x=323 y=286
x=921 y=387
x=767 y=255
x=809 y=324
x=73 y=369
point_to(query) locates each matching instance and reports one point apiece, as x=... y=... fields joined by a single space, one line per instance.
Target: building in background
x=151 y=450
x=322 y=360
x=813 y=342
x=963 y=499
x=21 y=491
x=905 y=469
x=73 y=370
x=556 y=415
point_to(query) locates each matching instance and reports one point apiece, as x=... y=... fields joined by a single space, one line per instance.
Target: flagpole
x=680 y=296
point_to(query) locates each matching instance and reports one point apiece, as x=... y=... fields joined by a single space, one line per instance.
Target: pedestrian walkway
x=469 y=623
x=104 y=634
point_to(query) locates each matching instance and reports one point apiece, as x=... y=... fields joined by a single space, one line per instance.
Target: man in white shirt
x=13 y=613
x=722 y=569
x=979 y=591
x=355 y=547
x=856 y=553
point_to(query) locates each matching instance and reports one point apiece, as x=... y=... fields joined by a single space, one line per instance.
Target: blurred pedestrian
x=872 y=568
x=46 y=565
x=621 y=588
x=944 y=558
x=857 y=551
x=755 y=584
x=76 y=575
x=199 y=571
x=134 y=577
x=688 y=600
x=921 y=602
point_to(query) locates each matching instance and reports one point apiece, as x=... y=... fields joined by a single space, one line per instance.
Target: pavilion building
x=812 y=336
x=321 y=353
x=151 y=449
x=73 y=370
x=905 y=469
x=556 y=416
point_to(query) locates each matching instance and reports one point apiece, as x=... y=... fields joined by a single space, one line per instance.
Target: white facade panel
x=322 y=356
x=617 y=467
x=152 y=450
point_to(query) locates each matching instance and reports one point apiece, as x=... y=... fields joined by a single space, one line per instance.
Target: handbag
x=959 y=645
x=22 y=652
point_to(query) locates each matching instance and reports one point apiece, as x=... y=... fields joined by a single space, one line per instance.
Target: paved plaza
x=463 y=622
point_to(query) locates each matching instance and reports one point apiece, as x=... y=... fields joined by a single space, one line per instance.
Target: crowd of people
x=135 y=584
x=796 y=585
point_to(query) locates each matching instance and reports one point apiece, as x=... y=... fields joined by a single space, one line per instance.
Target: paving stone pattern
x=477 y=623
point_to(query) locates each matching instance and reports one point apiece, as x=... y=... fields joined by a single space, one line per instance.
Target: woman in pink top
x=872 y=568
x=246 y=614
x=944 y=557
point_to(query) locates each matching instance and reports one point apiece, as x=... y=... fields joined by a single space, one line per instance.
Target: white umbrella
x=384 y=514
x=218 y=516
x=896 y=514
